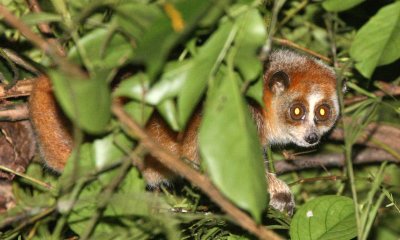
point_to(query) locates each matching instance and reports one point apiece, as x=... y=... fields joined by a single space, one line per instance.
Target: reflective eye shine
x=297 y=112
x=322 y=112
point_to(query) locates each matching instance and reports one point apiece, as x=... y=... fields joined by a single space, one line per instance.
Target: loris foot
x=281 y=198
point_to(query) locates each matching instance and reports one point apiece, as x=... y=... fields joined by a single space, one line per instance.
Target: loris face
x=301 y=100
x=304 y=119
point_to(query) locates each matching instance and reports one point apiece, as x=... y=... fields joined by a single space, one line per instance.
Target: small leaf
x=110 y=149
x=170 y=83
x=168 y=111
x=138 y=111
x=327 y=217
x=87 y=102
x=340 y=5
x=378 y=41
x=229 y=146
x=134 y=87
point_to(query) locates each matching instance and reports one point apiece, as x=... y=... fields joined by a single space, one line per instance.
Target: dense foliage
x=168 y=56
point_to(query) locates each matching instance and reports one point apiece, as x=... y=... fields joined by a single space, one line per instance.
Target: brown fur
x=50 y=126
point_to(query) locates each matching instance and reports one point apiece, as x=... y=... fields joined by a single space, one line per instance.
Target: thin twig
x=175 y=164
x=366 y=156
x=35 y=7
x=289 y=43
x=315 y=179
x=22 y=88
x=30 y=179
x=106 y=195
x=18 y=60
x=51 y=48
x=388 y=90
x=14 y=112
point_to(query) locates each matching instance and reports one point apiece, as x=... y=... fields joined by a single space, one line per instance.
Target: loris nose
x=312 y=138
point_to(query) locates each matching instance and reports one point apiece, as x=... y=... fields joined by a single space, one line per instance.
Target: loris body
x=301 y=102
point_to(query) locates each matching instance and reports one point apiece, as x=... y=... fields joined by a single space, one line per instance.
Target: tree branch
x=289 y=43
x=53 y=49
x=20 y=89
x=368 y=155
x=387 y=89
x=14 y=112
x=173 y=162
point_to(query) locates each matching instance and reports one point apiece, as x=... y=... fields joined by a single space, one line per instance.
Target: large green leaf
x=135 y=18
x=204 y=67
x=229 y=146
x=340 y=5
x=327 y=217
x=378 y=41
x=87 y=102
x=160 y=38
x=251 y=35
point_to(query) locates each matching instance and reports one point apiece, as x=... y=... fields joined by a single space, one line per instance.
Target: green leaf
x=87 y=102
x=251 y=36
x=340 y=5
x=131 y=191
x=255 y=91
x=170 y=83
x=134 y=87
x=110 y=149
x=42 y=17
x=138 y=111
x=327 y=217
x=378 y=41
x=129 y=200
x=229 y=146
x=204 y=67
x=168 y=111
x=160 y=38
x=105 y=47
x=135 y=18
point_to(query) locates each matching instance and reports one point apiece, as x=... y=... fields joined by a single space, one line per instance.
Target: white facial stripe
x=313 y=99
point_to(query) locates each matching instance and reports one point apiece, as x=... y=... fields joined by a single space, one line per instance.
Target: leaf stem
x=30 y=179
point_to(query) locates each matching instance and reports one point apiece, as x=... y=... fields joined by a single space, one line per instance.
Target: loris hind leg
x=281 y=198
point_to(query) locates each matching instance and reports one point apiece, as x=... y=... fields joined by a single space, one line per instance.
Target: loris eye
x=297 y=112
x=323 y=112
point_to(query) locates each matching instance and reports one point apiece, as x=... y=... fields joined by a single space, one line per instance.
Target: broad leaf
x=229 y=146
x=105 y=48
x=327 y=217
x=87 y=102
x=251 y=35
x=204 y=67
x=160 y=38
x=378 y=41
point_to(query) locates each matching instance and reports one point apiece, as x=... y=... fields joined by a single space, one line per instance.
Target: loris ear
x=279 y=82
